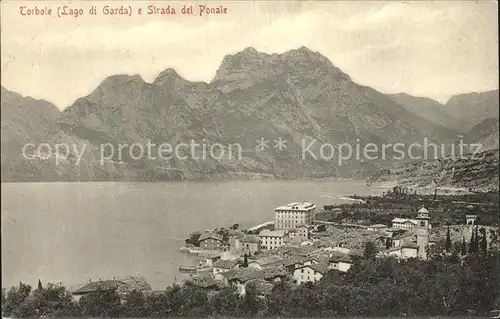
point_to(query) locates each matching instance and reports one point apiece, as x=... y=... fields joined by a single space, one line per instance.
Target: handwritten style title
x=70 y=11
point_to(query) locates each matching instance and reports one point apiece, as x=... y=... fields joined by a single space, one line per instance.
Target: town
x=301 y=248
x=303 y=251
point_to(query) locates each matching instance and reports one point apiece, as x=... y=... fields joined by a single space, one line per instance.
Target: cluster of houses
x=286 y=252
x=295 y=264
x=291 y=252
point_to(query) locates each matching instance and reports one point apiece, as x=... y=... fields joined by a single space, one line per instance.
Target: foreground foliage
x=373 y=287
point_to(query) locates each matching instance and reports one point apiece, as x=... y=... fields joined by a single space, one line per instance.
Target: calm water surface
x=72 y=232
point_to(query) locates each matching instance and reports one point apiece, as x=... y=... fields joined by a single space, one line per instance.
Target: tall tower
x=422 y=231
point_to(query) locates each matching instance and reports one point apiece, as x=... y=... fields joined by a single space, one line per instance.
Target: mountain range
x=460 y=113
x=298 y=96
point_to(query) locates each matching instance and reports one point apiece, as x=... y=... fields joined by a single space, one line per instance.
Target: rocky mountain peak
x=121 y=79
x=121 y=84
x=250 y=64
x=168 y=78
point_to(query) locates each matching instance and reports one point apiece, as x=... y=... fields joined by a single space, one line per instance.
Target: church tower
x=422 y=231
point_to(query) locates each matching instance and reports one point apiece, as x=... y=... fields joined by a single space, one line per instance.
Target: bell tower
x=422 y=232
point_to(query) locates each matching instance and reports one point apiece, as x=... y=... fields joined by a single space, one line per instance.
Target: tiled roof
x=273 y=272
x=225 y=264
x=129 y=284
x=250 y=239
x=265 y=261
x=405 y=235
x=206 y=282
x=247 y=274
x=404 y=220
x=121 y=285
x=272 y=233
x=336 y=257
x=293 y=260
x=322 y=268
x=94 y=286
x=378 y=226
x=410 y=245
x=305 y=250
x=297 y=206
x=210 y=235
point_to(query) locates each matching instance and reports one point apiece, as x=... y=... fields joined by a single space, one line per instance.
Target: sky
x=432 y=49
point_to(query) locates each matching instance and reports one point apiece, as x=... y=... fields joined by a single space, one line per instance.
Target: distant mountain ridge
x=485 y=133
x=429 y=109
x=23 y=120
x=472 y=108
x=299 y=96
x=460 y=113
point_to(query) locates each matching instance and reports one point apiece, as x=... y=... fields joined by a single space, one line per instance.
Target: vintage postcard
x=270 y=159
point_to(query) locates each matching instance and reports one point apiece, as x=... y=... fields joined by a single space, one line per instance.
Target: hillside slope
x=477 y=173
x=428 y=109
x=473 y=108
x=485 y=133
x=23 y=120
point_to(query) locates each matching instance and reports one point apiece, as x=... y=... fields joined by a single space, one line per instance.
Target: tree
x=135 y=305
x=463 y=250
x=54 y=300
x=235 y=226
x=194 y=239
x=476 y=240
x=224 y=233
x=388 y=243
x=3 y=298
x=227 y=302
x=17 y=302
x=471 y=244
x=39 y=285
x=448 y=240
x=370 y=249
x=245 y=261
x=251 y=303
x=484 y=242
x=100 y=304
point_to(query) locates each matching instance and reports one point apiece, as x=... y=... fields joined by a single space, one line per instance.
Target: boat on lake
x=184 y=268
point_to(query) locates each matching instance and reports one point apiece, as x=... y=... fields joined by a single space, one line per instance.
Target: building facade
x=271 y=239
x=303 y=231
x=294 y=214
x=250 y=244
x=470 y=219
x=210 y=241
x=404 y=223
x=404 y=252
x=309 y=273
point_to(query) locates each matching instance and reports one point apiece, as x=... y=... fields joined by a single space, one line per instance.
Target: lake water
x=73 y=232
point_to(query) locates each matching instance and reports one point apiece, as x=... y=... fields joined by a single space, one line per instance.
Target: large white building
x=294 y=214
x=404 y=223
